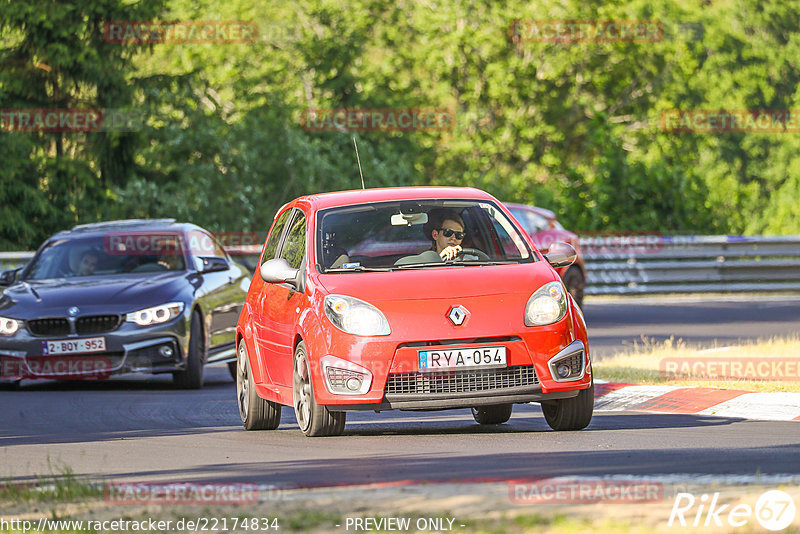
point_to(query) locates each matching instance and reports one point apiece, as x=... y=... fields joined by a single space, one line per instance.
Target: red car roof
x=363 y=196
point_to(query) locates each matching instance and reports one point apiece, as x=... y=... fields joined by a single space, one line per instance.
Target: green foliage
x=573 y=127
x=53 y=56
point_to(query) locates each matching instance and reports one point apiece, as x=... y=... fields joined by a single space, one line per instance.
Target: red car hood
x=416 y=302
x=441 y=283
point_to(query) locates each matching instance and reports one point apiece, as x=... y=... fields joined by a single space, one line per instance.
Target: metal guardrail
x=12 y=260
x=638 y=264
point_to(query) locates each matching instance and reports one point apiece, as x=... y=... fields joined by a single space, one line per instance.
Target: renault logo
x=73 y=311
x=457 y=315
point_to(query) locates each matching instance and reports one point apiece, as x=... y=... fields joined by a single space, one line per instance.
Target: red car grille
x=465 y=381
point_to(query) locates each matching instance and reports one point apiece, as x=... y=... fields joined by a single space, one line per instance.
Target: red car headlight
x=547 y=305
x=355 y=316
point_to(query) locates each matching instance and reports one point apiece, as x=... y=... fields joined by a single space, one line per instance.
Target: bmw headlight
x=9 y=327
x=156 y=314
x=355 y=316
x=547 y=305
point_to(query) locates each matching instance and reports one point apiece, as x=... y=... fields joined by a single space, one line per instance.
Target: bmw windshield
x=108 y=255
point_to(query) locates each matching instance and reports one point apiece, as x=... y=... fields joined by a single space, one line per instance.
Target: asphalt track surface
x=140 y=428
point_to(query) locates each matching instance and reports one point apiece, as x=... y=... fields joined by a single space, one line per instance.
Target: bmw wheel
x=192 y=376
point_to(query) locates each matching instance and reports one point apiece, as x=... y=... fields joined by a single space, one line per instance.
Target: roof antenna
x=359 y=163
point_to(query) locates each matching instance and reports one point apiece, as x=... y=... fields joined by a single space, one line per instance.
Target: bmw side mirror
x=278 y=271
x=560 y=254
x=212 y=264
x=9 y=277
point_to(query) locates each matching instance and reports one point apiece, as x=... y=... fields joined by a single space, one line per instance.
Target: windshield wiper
x=358 y=269
x=481 y=262
x=418 y=265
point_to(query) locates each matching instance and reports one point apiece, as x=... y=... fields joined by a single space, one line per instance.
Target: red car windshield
x=391 y=235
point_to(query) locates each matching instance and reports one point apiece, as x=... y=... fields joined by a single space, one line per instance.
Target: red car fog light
x=570 y=363
x=563 y=371
x=345 y=378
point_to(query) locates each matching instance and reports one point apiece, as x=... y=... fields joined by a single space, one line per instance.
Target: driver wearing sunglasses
x=445 y=228
x=448 y=237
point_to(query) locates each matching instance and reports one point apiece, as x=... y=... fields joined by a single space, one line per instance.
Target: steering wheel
x=473 y=252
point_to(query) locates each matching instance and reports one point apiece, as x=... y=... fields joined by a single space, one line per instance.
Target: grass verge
x=771 y=365
x=61 y=487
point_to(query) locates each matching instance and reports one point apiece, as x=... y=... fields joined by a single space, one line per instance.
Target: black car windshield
x=110 y=254
x=411 y=234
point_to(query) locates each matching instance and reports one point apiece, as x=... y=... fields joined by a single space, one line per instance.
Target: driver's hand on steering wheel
x=448 y=253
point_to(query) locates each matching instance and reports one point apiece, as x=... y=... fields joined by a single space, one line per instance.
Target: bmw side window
x=275 y=236
x=294 y=248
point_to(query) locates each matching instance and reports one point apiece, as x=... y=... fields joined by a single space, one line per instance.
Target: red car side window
x=275 y=236
x=294 y=248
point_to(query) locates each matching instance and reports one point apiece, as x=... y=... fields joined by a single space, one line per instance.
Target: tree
x=54 y=56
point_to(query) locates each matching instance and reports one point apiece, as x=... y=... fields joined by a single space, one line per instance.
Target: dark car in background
x=133 y=296
x=543 y=227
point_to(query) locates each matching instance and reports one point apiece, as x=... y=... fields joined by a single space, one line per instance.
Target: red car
x=475 y=317
x=543 y=227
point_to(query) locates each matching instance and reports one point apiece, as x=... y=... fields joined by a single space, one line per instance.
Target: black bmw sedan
x=133 y=296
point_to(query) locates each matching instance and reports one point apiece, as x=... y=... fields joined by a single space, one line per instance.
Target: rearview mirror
x=560 y=254
x=409 y=219
x=278 y=271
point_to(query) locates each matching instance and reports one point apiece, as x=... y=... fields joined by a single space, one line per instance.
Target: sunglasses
x=447 y=232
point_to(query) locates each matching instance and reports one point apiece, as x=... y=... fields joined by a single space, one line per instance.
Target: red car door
x=281 y=305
